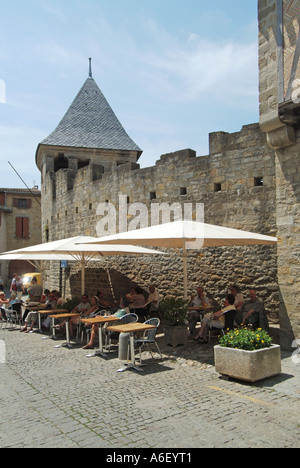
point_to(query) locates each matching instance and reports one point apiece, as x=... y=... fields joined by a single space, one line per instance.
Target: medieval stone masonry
x=248 y=181
x=235 y=183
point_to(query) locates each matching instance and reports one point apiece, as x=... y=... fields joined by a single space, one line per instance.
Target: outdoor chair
x=128 y=318
x=152 y=311
x=3 y=318
x=13 y=315
x=229 y=323
x=87 y=331
x=149 y=338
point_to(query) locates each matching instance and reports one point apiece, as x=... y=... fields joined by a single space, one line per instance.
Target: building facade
x=20 y=226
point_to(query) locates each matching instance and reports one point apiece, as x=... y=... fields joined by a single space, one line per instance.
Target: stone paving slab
x=59 y=398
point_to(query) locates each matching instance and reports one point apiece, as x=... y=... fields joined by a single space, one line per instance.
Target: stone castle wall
x=236 y=185
x=280 y=118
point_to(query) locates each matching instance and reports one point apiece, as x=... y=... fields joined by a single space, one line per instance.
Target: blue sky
x=172 y=70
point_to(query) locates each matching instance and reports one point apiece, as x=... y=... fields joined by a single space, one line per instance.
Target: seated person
x=253 y=312
x=137 y=301
x=45 y=296
x=103 y=303
x=200 y=299
x=153 y=299
x=32 y=316
x=95 y=329
x=3 y=302
x=216 y=320
x=239 y=299
x=197 y=300
x=82 y=308
x=54 y=300
x=238 y=303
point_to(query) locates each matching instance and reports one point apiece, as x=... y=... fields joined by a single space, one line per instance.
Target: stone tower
x=89 y=133
x=279 y=52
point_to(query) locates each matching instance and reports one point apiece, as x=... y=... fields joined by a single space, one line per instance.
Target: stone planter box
x=176 y=336
x=250 y=366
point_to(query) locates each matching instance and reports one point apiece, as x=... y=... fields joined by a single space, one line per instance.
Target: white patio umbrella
x=187 y=235
x=77 y=249
x=34 y=259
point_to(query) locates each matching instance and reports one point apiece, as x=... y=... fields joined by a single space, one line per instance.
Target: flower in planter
x=246 y=339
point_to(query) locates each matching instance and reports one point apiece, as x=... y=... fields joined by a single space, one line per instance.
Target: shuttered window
x=22 y=228
x=22 y=203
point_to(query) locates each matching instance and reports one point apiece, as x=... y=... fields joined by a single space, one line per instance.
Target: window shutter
x=25 y=228
x=22 y=227
x=19 y=229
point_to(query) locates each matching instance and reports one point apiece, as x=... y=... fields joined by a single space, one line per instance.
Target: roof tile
x=91 y=123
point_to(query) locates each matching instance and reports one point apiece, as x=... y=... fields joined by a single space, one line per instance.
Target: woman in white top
x=216 y=320
x=239 y=299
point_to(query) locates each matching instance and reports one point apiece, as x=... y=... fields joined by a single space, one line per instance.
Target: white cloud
x=201 y=69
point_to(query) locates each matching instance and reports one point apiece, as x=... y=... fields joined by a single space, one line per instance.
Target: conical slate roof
x=91 y=123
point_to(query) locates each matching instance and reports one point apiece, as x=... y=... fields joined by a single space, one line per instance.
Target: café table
x=131 y=328
x=43 y=313
x=32 y=307
x=100 y=320
x=66 y=317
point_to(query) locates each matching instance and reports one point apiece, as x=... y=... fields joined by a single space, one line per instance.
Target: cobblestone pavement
x=60 y=398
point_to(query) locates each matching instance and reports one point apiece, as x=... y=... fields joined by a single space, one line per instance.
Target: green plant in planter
x=70 y=304
x=246 y=339
x=174 y=311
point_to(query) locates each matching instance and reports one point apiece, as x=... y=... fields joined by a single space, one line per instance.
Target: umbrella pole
x=111 y=285
x=82 y=275
x=185 y=270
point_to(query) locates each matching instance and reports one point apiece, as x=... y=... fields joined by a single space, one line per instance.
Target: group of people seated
x=134 y=301
x=243 y=312
x=51 y=299
x=6 y=303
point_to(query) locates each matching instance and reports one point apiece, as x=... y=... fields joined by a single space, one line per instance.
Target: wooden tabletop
x=130 y=327
x=100 y=319
x=51 y=311
x=65 y=315
x=34 y=307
